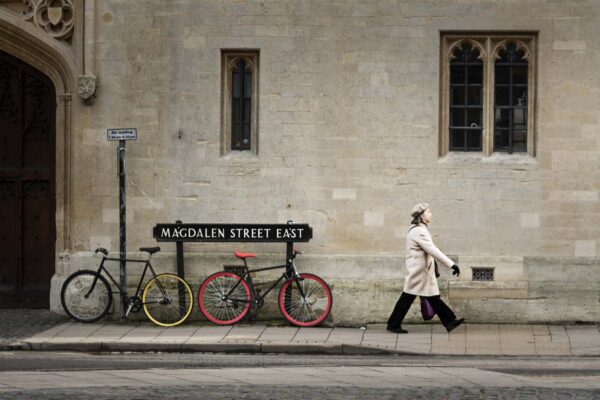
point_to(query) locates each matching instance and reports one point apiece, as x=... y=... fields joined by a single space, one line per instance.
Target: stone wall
x=348 y=142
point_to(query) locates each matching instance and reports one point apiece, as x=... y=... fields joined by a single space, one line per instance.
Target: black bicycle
x=166 y=299
x=226 y=297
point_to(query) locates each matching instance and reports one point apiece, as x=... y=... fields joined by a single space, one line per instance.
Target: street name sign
x=232 y=232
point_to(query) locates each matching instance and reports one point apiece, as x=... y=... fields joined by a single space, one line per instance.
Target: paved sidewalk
x=470 y=339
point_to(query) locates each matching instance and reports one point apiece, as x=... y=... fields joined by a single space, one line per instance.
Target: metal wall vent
x=483 y=273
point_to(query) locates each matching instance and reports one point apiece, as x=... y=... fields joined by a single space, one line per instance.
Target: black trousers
x=405 y=301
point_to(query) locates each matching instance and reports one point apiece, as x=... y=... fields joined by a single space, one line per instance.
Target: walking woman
x=421 y=278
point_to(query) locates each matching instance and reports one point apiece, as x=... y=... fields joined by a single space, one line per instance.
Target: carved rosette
x=55 y=17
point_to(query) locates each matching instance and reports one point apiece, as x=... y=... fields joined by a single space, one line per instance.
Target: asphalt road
x=61 y=375
x=64 y=361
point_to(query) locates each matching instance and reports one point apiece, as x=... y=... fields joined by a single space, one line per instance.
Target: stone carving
x=56 y=17
x=86 y=87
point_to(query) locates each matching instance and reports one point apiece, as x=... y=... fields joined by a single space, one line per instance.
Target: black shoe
x=454 y=324
x=396 y=330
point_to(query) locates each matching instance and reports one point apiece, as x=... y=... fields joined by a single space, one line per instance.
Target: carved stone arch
x=459 y=45
x=504 y=44
x=233 y=61
x=55 y=60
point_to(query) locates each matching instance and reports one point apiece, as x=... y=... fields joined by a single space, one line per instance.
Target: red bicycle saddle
x=241 y=255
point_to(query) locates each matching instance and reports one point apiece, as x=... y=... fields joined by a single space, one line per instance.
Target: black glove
x=456 y=270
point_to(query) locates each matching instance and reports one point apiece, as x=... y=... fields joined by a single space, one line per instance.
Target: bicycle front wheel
x=224 y=298
x=306 y=307
x=167 y=300
x=82 y=302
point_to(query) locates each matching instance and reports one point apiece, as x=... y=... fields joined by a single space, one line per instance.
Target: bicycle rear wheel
x=167 y=300
x=214 y=303
x=82 y=303
x=310 y=309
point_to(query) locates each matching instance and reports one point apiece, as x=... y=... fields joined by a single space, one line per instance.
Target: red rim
x=324 y=315
x=207 y=314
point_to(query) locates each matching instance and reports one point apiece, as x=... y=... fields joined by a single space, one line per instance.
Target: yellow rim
x=188 y=289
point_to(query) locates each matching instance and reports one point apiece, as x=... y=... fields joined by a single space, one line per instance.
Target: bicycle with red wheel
x=226 y=297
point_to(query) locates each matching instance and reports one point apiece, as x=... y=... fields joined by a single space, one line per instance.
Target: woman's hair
x=417 y=220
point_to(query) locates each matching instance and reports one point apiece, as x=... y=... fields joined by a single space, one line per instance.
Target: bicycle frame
x=257 y=298
x=147 y=266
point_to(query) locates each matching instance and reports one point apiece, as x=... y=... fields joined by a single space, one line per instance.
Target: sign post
x=122 y=135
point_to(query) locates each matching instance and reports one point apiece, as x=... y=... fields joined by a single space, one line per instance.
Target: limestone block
x=486 y=290
x=568 y=45
x=530 y=220
x=373 y=218
x=495 y=310
x=585 y=248
x=344 y=193
x=562 y=269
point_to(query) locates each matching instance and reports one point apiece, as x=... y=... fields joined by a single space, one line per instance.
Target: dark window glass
x=502 y=75
x=520 y=140
x=458 y=95
x=474 y=117
x=510 y=100
x=457 y=117
x=457 y=138
x=519 y=120
x=241 y=106
x=501 y=138
x=519 y=96
x=475 y=73
x=457 y=74
x=519 y=75
x=475 y=95
x=502 y=95
x=502 y=119
x=474 y=139
x=466 y=99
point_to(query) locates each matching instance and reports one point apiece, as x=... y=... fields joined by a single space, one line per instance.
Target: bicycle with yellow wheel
x=166 y=299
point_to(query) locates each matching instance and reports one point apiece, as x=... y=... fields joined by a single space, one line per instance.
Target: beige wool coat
x=420 y=253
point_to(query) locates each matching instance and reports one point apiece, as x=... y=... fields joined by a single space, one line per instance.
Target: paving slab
x=346 y=335
x=141 y=334
x=482 y=339
x=50 y=333
x=210 y=334
x=177 y=334
x=312 y=335
x=249 y=333
x=277 y=334
x=445 y=343
x=516 y=340
x=109 y=332
x=585 y=340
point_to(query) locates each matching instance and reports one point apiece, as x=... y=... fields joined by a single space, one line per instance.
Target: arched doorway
x=27 y=184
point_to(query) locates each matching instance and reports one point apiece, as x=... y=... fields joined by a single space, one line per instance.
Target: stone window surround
x=229 y=58
x=489 y=44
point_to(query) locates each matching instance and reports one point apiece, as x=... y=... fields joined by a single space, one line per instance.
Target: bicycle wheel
x=81 y=304
x=167 y=300
x=310 y=309
x=212 y=303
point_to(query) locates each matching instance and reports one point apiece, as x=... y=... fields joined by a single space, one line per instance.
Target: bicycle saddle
x=241 y=255
x=150 y=250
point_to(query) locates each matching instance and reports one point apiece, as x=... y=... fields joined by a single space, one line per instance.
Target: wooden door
x=27 y=179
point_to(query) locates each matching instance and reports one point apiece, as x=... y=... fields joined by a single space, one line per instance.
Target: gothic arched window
x=466 y=99
x=487 y=87
x=511 y=81
x=239 y=120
